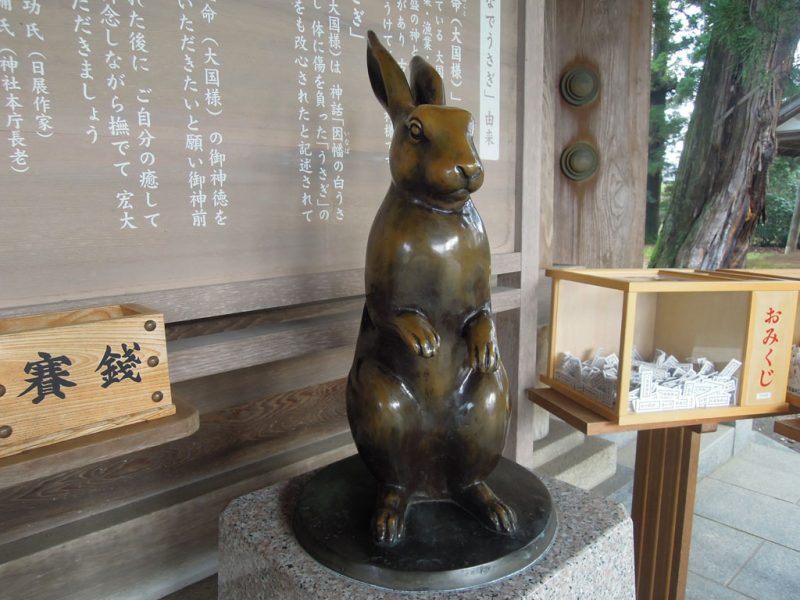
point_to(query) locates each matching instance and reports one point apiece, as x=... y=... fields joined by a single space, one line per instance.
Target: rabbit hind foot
x=389 y=519
x=479 y=500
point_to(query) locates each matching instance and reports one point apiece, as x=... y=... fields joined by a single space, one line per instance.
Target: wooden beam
x=104 y=445
x=591 y=423
x=201 y=302
x=789 y=428
x=665 y=479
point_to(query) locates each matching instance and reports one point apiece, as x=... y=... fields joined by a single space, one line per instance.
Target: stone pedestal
x=260 y=558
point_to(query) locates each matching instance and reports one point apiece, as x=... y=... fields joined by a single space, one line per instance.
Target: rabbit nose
x=469 y=171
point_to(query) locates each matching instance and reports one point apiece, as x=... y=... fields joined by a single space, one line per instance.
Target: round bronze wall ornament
x=580 y=85
x=579 y=161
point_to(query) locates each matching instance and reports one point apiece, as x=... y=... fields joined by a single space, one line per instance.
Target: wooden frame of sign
x=771 y=274
x=260 y=323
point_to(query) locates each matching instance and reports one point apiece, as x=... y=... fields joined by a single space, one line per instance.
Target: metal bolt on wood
x=152 y=361
x=150 y=325
x=157 y=396
x=6 y=431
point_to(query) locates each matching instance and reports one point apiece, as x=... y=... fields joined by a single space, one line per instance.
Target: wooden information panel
x=156 y=145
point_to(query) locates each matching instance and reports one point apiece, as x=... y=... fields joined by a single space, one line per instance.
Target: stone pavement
x=746 y=534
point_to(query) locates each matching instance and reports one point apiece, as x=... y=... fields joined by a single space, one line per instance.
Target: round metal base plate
x=445 y=548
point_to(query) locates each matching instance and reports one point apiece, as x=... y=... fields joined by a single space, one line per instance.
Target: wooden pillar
x=664 y=485
x=600 y=222
x=517 y=329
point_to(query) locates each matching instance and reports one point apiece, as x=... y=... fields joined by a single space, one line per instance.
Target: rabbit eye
x=415 y=130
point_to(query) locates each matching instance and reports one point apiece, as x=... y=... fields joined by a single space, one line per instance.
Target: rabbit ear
x=426 y=83
x=387 y=79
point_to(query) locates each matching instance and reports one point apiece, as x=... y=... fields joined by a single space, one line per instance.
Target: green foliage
x=745 y=28
x=677 y=36
x=775 y=228
x=781 y=197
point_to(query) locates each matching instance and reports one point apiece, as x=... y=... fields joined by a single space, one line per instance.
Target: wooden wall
x=261 y=348
x=259 y=345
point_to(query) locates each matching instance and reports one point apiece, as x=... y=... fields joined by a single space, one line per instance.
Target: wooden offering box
x=725 y=344
x=68 y=374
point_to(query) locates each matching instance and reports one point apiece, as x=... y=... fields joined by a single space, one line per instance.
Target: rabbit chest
x=437 y=264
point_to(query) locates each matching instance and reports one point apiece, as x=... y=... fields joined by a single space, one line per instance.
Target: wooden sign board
x=157 y=145
x=64 y=375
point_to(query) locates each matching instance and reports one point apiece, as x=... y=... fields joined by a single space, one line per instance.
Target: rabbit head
x=432 y=157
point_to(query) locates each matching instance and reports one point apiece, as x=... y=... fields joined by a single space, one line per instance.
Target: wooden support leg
x=663 y=503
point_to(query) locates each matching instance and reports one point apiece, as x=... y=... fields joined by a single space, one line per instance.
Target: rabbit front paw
x=418 y=333
x=482 y=344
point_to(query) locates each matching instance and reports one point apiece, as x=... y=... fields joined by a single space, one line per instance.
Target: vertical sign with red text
x=771 y=326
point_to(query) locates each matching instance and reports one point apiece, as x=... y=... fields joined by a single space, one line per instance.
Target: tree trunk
x=794 y=229
x=659 y=86
x=720 y=187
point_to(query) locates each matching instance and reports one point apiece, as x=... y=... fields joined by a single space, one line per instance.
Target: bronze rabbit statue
x=427 y=394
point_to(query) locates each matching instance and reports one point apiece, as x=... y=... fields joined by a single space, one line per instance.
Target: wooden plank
x=105 y=445
x=279 y=339
x=666 y=280
x=505 y=298
x=788 y=428
x=148 y=548
x=549 y=168
x=227 y=441
x=200 y=302
x=270 y=316
x=220 y=352
x=591 y=423
x=217 y=392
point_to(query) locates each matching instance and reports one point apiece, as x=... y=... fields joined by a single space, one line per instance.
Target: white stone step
x=716 y=449
x=561 y=438
x=585 y=465
x=617 y=488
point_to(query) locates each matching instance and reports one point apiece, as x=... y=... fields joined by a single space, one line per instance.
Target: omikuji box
x=642 y=346
x=67 y=374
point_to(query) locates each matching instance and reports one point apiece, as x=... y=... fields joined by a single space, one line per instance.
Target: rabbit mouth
x=458 y=196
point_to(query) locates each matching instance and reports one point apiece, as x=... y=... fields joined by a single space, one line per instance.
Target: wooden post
x=517 y=328
x=664 y=485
